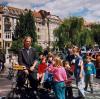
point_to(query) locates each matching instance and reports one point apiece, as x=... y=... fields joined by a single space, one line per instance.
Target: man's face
x=27 y=43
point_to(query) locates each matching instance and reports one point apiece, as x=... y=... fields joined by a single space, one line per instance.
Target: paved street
x=95 y=95
x=5 y=87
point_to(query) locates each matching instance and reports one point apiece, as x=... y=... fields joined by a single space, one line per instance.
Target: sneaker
x=80 y=97
x=91 y=90
x=36 y=95
x=41 y=85
x=85 y=89
x=35 y=92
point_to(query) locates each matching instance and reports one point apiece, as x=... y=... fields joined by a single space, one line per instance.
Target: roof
x=37 y=14
x=1 y=8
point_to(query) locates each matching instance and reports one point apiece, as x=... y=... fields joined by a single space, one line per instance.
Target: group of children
x=57 y=75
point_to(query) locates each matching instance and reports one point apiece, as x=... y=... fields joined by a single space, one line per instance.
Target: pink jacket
x=59 y=73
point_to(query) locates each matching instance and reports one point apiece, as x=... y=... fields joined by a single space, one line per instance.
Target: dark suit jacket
x=27 y=59
x=2 y=57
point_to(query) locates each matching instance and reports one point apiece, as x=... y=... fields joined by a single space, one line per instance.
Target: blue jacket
x=90 y=69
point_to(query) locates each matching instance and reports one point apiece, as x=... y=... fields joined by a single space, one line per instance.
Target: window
x=38 y=30
x=38 y=36
x=7 y=27
x=0 y=45
x=6 y=19
x=43 y=21
x=8 y=45
x=0 y=35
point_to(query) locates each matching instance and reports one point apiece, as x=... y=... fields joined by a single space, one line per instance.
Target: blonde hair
x=26 y=37
x=58 y=62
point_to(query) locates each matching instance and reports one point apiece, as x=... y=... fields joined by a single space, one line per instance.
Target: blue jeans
x=59 y=90
x=80 y=84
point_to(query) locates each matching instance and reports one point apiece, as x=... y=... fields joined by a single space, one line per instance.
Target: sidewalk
x=95 y=95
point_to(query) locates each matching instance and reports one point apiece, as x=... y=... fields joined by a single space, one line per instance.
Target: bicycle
x=12 y=75
x=24 y=92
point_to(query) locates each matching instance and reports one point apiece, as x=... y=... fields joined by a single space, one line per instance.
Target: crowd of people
x=53 y=73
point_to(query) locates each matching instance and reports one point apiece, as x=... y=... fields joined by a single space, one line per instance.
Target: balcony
x=7 y=36
x=7 y=22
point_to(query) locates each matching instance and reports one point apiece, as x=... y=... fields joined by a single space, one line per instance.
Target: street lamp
x=48 y=26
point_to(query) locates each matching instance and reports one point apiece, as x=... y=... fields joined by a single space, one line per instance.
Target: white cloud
x=62 y=8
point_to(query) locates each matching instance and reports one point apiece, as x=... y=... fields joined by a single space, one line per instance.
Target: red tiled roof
x=36 y=14
x=1 y=8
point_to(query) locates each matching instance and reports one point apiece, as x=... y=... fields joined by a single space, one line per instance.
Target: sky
x=88 y=9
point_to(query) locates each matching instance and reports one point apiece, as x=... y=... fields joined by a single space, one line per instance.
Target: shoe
x=41 y=86
x=36 y=95
x=81 y=97
x=35 y=92
x=92 y=91
x=85 y=89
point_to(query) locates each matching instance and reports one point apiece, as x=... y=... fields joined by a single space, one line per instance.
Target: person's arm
x=20 y=62
x=94 y=69
x=33 y=66
x=81 y=68
x=35 y=60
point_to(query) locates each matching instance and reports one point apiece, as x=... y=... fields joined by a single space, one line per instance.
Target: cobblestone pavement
x=96 y=93
x=5 y=87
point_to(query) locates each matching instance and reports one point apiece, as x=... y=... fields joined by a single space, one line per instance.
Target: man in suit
x=2 y=60
x=28 y=58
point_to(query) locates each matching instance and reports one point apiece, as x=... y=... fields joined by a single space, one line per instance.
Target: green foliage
x=16 y=45
x=86 y=37
x=26 y=26
x=38 y=48
x=73 y=31
x=96 y=32
x=68 y=32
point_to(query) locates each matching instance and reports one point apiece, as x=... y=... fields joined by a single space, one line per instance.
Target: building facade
x=44 y=21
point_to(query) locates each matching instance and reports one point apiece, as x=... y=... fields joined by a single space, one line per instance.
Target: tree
x=25 y=27
x=86 y=37
x=76 y=25
x=96 y=32
x=69 y=31
x=16 y=45
x=62 y=34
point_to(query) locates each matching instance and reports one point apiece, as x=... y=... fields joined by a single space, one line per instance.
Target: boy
x=90 y=72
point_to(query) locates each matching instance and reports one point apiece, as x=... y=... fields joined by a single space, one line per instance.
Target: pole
x=48 y=32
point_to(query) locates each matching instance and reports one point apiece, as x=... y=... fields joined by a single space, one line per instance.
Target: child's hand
x=94 y=75
x=81 y=75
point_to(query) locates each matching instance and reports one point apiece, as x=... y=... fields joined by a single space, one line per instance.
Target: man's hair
x=76 y=49
x=26 y=37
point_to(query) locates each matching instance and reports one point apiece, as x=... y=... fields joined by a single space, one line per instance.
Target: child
x=48 y=75
x=59 y=78
x=41 y=71
x=90 y=71
x=69 y=72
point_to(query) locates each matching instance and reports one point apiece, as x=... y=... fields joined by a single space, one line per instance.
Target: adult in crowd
x=27 y=57
x=79 y=72
x=2 y=61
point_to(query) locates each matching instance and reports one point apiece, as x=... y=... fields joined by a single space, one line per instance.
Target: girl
x=41 y=71
x=59 y=78
x=69 y=72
